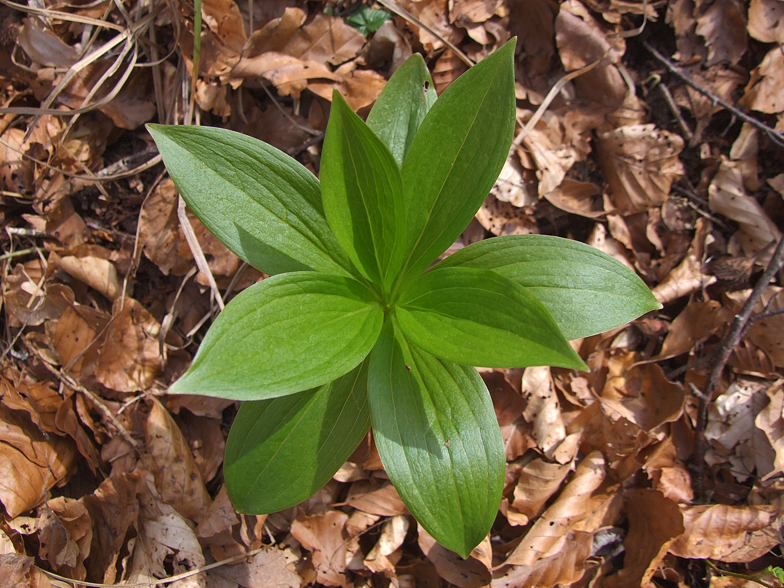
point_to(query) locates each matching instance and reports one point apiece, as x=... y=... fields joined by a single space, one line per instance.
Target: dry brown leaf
x=67 y=421
x=113 y=508
x=159 y=236
x=724 y=27
x=65 y=536
x=177 y=477
x=22 y=483
x=274 y=566
x=215 y=529
x=435 y=14
x=76 y=338
x=733 y=434
x=766 y=21
x=393 y=533
x=549 y=534
x=728 y=197
x=653 y=522
x=766 y=87
x=562 y=568
x=501 y=218
x=289 y=74
x=574 y=197
x=325 y=537
x=726 y=533
x=465 y=573
x=539 y=480
x=581 y=42
x=29 y=300
x=688 y=276
x=640 y=163
x=359 y=87
x=325 y=39
x=509 y=405
x=542 y=409
x=376 y=496
x=697 y=322
x=130 y=359
x=770 y=421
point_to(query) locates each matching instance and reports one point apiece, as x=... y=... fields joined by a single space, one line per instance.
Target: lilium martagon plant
x=352 y=329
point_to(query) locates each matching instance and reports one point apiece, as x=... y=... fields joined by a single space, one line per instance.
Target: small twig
x=774 y=135
x=737 y=575
x=718 y=359
x=198 y=252
x=19 y=253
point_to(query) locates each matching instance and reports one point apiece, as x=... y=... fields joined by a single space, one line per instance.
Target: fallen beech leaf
x=113 y=508
x=509 y=405
x=733 y=434
x=22 y=483
x=766 y=21
x=465 y=573
x=435 y=14
x=273 y=566
x=550 y=532
x=359 y=87
x=99 y=274
x=65 y=535
x=539 y=480
x=28 y=303
x=581 y=198
x=726 y=533
x=376 y=496
x=728 y=197
x=695 y=323
x=501 y=218
x=562 y=568
x=640 y=163
x=724 y=27
x=177 y=476
x=325 y=537
x=688 y=276
x=159 y=236
x=770 y=421
x=207 y=442
x=393 y=533
x=130 y=359
x=764 y=90
x=14 y=569
x=325 y=39
x=76 y=337
x=653 y=522
x=214 y=530
x=289 y=74
x=542 y=408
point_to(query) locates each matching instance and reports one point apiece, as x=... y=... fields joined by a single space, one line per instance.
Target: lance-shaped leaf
x=457 y=155
x=438 y=438
x=284 y=335
x=402 y=105
x=477 y=317
x=585 y=290
x=259 y=202
x=362 y=194
x=281 y=451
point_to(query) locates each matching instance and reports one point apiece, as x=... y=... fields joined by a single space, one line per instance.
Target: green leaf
x=402 y=105
x=368 y=20
x=477 y=317
x=438 y=438
x=363 y=195
x=284 y=335
x=259 y=202
x=457 y=155
x=586 y=291
x=282 y=451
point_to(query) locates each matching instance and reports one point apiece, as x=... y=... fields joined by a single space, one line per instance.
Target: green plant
x=351 y=329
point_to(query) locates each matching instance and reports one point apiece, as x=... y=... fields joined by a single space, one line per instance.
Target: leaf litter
x=106 y=479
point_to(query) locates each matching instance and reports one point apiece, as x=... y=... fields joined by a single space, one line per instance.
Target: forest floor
x=663 y=466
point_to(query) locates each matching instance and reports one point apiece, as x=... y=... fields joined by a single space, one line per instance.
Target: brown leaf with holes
x=727 y=533
x=177 y=477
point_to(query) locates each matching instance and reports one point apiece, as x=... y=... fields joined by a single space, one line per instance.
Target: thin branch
x=774 y=135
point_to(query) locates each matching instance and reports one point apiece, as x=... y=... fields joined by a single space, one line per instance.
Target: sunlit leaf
x=262 y=204
x=283 y=450
x=585 y=290
x=284 y=335
x=438 y=438
x=477 y=317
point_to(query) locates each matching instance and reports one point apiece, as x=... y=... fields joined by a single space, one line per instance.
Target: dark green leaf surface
x=262 y=204
x=402 y=105
x=586 y=291
x=362 y=192
x=284 y=335
x=368 y=20
x=281 y=451
x=476 y=317
x=457 y=155
x=438 y=438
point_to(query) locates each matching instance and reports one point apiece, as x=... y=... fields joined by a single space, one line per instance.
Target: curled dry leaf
x=65 y=536
x=130 y=359
x=727 y=533
x=542 y=409
x=215 y=529
x=177 y=477
x=435 y=14
x=465 y=573
x=325 y=536
x=723 y=25
x=393 y=533
x=29 y=300
x=549 y=534
x=77 y=338
x=766 y=21
x=766 y=87
x=159 y=237
x=509 y=405
x=688 y=276
x=562 y=568
x=100 y=274
x=539 y=480
x=640 y=163
x=697 y=322
x=377 y=497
